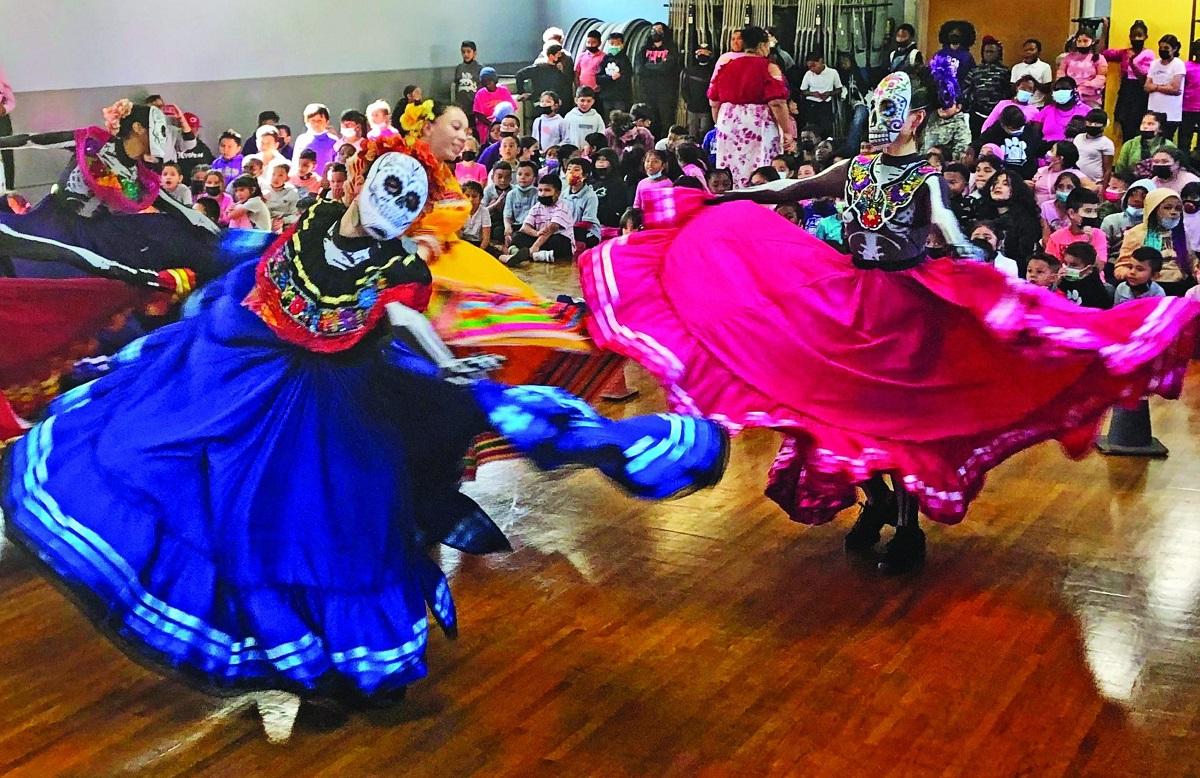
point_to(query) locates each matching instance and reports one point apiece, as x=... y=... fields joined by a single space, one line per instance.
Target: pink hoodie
x=1089 y=74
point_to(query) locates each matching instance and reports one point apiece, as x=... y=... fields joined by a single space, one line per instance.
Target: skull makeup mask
x=393 y=196
x=157 y=134
x=890 y=106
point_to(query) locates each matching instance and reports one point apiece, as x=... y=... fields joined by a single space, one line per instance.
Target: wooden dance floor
x=1055 y=632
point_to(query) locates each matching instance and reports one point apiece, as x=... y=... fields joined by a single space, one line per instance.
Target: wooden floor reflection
x=1055 y=632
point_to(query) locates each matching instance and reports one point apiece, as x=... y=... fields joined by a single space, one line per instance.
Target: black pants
x=1189 y=128
x=559 y=243
x=9 y=170
x=582 y=236
x=1169 y=129
x=664 y=104
x=820 y=115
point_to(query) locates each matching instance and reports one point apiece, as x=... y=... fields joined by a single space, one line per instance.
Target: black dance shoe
x=864 y=534
x=905 y=552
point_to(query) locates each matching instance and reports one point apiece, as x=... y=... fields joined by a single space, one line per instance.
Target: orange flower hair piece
x=415 y=117
x=114 y=113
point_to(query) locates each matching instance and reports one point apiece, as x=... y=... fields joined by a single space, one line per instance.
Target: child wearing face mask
x=655 y=164
x=615 y=77
x=1065 y=104
x=1137 y=152
x=1162 y=229
x=1191 y=215
x=693 y=87
x=214 y=187
x=544 y=235
x=1083 y=226
x=1078 y=279
x=549 y=128
x=1134 y=63
x=588 y=63
x=1146 y=264
x=611 y=192
x=468 y=169
x=1114 y=226
x=1096 y=151
x=1088 y=69
x=1166 y=166
x=1164 y=83
x=520 y=198
x=1054 y=211
x=1023 y=89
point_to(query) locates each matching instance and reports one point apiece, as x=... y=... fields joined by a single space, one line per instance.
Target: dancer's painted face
x=890 y=107
x=394 y=192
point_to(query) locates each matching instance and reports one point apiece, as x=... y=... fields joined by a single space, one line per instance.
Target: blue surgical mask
x=654 y=176
x=1061 y=96
x=1134 y=213
x=1024 y=97
x=1061 y=196
x=1169 y=223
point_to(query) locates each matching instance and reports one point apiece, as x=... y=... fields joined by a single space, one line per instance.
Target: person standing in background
x=1084 y=64
x=8 y=102
x=986 y=85
x=693 y=85
x=1135 y=63
x=1031 y=64
x=1164 y=85
x=616 y=75
x=658 y=66
x=466 y=79
x=588 y=64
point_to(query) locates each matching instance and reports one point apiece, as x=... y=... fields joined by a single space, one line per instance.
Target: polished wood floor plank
x=1056 y=632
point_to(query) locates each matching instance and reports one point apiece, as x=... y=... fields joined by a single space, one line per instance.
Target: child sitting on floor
x=545 y=234
x=1139 y=280
x=1043 y=271
x=478 y=229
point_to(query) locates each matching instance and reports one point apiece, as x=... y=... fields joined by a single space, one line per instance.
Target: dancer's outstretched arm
x=946 y=222
x=831 y=182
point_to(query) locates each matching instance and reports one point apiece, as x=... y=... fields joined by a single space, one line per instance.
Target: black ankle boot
x=865 y=533
x=904 y=552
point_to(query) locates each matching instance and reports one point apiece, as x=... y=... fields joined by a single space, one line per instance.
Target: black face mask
x=197 y=187
x=546 y=200
x=1149 y=134
x=1164 y=53
x=656 y=37
x=703 y=59
x=1083 y=49
x=1094 y=132
x=602 y=172
x=468 y=156
x=593 y=49
x=1137 y=44
x=541 y=110
x=937 y=252
x=1090 y=221
x=212 y=191
x=1162 y=171
x=953 y=39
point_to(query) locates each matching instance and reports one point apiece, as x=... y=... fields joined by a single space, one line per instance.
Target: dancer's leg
x=879 y=509
x=905 y=551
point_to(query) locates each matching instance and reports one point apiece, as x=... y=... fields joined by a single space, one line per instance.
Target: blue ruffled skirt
x=256 y=515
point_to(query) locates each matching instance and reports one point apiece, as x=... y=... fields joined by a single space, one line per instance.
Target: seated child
x=496 y=193
x=249 y=210
x=282 y=198
x=172 y=183
x=305 y=178
x=519 y=200
x=209 y=207
x=1080 y=281
x=478 y=229
x=546 y=233
x=1043 y=271
x=469 y=169
x=719 y=180
x=1139 y=281
x=633 y=220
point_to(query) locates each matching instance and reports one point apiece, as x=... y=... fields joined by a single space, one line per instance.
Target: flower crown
x=415 y=117
x=114 y=113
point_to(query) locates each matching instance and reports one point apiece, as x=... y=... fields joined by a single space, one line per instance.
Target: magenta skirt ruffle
x=934 y=375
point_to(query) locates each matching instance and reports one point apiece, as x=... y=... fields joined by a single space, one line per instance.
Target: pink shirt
x=586 y=68
x=7 y=99
x=1054 y=120
x=645 y=185
x=1133 y=66
x=471 y=171
x=1043 y=182
x=1029 y=109
x=1191 y=86
x=382 y=131
x=1060 y=239
x=1088 y=74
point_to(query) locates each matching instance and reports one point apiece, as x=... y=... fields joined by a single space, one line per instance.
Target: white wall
x=75 y=44
x=563 y=13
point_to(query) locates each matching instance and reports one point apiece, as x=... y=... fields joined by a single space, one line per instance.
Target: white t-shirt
x=827 y=81
x=1162 y=74
x=1039 y=70
x=1091 y=154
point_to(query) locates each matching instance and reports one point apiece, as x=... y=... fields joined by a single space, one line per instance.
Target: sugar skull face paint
x=394 y=194
x=890 y=108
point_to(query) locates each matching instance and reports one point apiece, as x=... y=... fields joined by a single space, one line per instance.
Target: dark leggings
x=559 y=243
x=1189 y=128
x=7 y=156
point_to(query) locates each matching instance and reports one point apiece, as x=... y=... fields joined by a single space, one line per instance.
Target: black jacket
x=693 y=85
x=614 y=198
x=544 y=77
x=659 y=67
x=1021 y=152
x=618 y=89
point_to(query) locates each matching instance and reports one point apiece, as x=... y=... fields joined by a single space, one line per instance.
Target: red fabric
x=746 y=80
x=41 y=320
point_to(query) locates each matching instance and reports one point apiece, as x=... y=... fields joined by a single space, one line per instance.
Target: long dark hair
x=140 y=114
x=1021 y=200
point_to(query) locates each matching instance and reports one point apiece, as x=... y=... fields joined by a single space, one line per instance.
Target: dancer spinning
x=889 y=361
x=107 y=215
x=248 y=496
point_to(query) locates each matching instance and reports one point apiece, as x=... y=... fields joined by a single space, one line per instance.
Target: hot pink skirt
x=934 y=375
